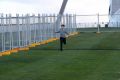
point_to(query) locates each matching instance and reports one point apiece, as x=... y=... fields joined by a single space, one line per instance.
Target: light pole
x=62 y=9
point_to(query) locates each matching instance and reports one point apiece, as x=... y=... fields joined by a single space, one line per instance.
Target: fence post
x=50 y=27
x=74 y=23
x=22 y=32
x=11 y=35
x=42 y=27
x=39 y=38
x=6 y=33
x=29 y=27
x=26 y=35
x=3 y=32
x=70 y=23
x=37 y=28
x=67 y=23
x=54 y=26
x=33 y=29
x=18 y=29
x=47 y=25
x=27 y=30
x=5 y=25
x=98 y=24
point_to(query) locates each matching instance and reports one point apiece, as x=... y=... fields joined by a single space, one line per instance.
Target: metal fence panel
x=21 y=31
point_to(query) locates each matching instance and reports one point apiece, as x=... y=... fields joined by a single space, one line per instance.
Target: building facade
x=114 y=13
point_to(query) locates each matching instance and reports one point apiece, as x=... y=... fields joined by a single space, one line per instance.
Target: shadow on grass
x=72 y=49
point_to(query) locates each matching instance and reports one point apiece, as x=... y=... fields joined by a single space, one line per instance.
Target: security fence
x=23 y=30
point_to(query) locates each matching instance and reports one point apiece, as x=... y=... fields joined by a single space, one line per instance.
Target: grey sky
x=53 y=6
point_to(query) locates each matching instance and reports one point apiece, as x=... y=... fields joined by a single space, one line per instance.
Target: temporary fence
x=23 y=30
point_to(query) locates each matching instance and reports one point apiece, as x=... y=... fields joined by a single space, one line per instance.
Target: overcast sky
x=53 y=6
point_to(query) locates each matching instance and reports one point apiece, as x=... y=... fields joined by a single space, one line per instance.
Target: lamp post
x=62 y=9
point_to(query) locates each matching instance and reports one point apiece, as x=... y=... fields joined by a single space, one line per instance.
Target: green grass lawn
x=87 y=56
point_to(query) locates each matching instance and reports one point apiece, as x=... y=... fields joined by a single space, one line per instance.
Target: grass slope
x=87 y=56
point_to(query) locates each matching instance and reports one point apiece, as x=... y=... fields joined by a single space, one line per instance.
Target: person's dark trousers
x=62 y=41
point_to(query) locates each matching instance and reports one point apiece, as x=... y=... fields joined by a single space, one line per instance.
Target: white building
x=114 y=12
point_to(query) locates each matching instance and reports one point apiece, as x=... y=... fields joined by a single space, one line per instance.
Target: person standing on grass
x=63 y=33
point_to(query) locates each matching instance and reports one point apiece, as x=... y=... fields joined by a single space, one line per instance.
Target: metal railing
x=98 y=23
x=22 y=30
